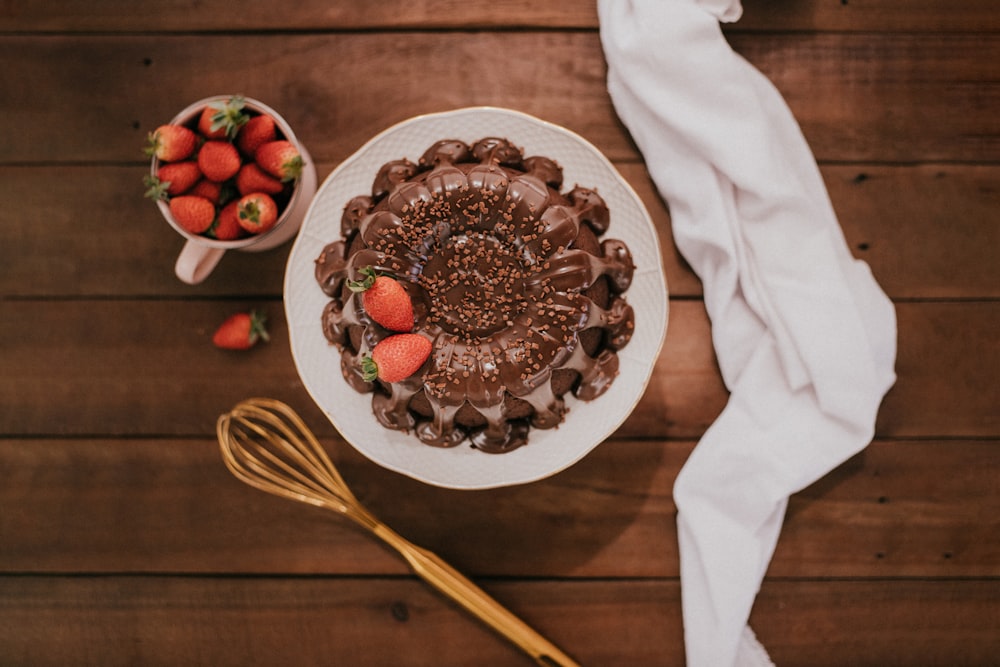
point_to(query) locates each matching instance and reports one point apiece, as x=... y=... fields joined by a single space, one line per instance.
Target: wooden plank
x=879 y=623
x=898 y=509
x=942 y=355
x=886 y=98
x=871 y=15
x=927 y=232
x=875 y=97
x=170 y=621
x=264 y=15
x=152 y=621
x=171 y=506
x=308 y=15
x=148 y=367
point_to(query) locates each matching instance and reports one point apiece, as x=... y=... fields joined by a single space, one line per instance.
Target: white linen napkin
x=805 y=338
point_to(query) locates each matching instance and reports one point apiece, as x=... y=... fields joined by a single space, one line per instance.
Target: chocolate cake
x=509 y=280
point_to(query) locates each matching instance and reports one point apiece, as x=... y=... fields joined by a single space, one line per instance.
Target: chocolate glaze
x=520 y=301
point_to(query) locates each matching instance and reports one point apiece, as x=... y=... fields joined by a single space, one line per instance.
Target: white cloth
x=805 y=338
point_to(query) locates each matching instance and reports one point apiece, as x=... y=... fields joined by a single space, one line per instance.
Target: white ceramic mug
x=201 y=254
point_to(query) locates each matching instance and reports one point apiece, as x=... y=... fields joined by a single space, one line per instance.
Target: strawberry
x=210 y=190
x=251 y=178
x=385 y=300
x=172 y=179
x=222 y=120
x=258 y=131
x=396 y=358
x=227 y=225
x=241 y=331
x=171 y=143
x=195 y=214
x=281 y=159
x=256 y=212
x=218 y=160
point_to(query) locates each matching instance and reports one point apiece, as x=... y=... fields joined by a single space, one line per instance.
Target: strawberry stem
x=229 y=115
x=250 y=211
x=363 y=285
x=156 y=189
x=369 y=369
x=258 y=327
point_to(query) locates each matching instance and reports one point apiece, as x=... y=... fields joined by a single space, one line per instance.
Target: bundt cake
x=509 y=281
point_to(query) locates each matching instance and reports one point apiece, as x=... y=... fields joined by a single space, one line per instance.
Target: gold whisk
x=267 y=445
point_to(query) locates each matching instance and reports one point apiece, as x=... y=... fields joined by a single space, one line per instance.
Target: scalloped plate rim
x=378 y=452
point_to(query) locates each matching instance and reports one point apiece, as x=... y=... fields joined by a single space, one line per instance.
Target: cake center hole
x=476 y=285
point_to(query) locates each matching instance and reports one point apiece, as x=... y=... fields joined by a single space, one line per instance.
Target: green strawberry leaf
x=362 y=285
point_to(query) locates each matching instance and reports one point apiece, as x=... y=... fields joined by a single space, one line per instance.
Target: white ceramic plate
x=547 y=451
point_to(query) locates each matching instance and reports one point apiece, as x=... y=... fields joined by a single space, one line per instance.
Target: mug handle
x=196 y=261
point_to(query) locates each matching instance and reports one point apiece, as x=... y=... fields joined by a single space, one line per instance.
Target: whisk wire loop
x=266 y=444
x=296 y=437
x=270 y=470
x=261 y=450
x=296 y=460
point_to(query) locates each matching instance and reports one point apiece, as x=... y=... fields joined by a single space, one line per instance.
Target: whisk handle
x=454 y=585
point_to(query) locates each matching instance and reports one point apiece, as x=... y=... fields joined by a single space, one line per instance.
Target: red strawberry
x=256 y=212
x=222 y=120
x=171 y=143
x=252 y=178
x=258 y=131
x=385 y=300
x=227 y=225
x=396 y=358
x=210 y=190
x=173 y=179
x=218 y=160
x=195 y=214
x=241 y=331
x=281 y=159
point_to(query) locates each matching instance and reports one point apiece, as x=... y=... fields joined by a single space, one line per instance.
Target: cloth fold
x=805 y=338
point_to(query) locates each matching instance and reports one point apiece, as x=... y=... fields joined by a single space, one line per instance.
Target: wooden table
x=123 y=539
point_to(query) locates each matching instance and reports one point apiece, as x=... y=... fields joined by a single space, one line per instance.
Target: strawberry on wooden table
x=219 y=160
x=241 y=331
x=171 y=143
x=384 y=299
x=257 y=212
x=396 y=358
x=281 y=159
x=194 y=214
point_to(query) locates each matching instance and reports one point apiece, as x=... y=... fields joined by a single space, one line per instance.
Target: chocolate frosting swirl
x=504 y=283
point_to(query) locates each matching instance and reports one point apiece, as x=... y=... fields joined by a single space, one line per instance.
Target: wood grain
x=900 y=508
x=896 y=95
x=258 y=15
x=128 y=367
x=157 y=620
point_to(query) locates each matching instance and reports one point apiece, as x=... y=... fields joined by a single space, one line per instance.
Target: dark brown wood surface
x=123 y=539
